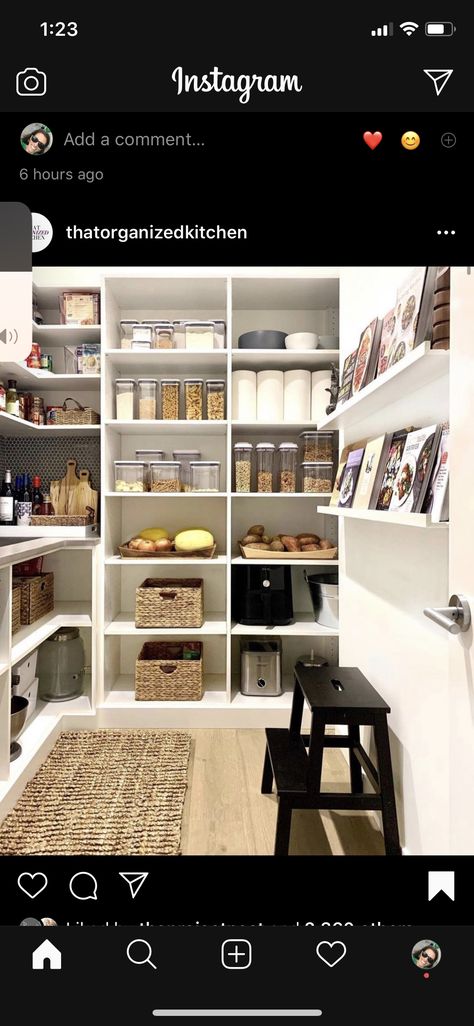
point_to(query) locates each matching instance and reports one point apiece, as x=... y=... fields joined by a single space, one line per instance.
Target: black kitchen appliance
x=262 y=595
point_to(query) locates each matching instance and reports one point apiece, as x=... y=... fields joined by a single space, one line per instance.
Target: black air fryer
x=262 y=595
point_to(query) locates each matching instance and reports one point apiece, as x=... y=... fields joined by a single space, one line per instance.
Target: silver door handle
x=454 y=618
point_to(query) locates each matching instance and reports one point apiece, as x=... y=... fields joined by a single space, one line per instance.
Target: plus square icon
x=236 y=954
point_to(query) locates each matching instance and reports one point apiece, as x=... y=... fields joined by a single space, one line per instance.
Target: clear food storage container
x=143 y=331
x=205 y=476
x=219 y=334
x=265 y=460
x=147 y=393
x=193 y=398
x=126 y=333
x=317 y=477
x=215 y=399
x=316 y=446
x=185 y=457
x=170 y=399
x=287 y=474
x=164 y=334
x=165 y=476
x=243 y=466
x=125 y=389
x=199 y=334
x=149 y=456
x=130 y=476
x=179 y=334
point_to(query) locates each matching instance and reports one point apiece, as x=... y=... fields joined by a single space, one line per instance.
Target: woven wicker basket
x=63 y=521
x=169 y=602
x=163 y=675
x=36 y=596
x=81 y=415
x=16 y=608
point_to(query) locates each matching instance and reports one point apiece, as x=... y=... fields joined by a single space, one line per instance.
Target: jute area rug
x=103 y=792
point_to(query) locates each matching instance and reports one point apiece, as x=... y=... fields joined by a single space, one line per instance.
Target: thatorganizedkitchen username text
x=156 y=233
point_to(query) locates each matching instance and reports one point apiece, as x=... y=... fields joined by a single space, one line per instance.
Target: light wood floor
x=225 y=814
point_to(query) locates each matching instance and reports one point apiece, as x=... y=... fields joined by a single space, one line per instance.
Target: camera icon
x=31 y=82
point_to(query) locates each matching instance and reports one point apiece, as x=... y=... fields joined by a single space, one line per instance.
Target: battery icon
x=439 y=28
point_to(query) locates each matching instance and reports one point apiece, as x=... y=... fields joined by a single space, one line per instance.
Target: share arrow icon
x=135 y=881
x=439 y=77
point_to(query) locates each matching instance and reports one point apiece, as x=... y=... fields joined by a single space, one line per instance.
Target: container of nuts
x=165 y=476
x=287 y=473
x=317 y=477
x=317 y=446
x=215 y=399
x=243 y=466
x=130 y=476
x=265 y=460
x=170 y=399
x=193 y=398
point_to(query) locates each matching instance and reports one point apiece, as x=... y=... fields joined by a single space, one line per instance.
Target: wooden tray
x=207 y=553
x=308 y=556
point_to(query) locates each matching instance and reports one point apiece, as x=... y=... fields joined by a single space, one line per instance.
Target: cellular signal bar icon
x=384 y=30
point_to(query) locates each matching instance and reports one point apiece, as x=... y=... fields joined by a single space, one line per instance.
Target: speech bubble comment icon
x=83 y=886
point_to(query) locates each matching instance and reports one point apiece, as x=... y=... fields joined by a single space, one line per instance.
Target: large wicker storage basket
x=80 y=415
x=16 y=607
x=169 y=602
x=167 y=672
x=36 y=596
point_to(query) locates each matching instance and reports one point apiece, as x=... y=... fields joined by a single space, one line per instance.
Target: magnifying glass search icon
x=141 y=954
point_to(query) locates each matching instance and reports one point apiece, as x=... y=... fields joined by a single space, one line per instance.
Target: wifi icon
x=409 y=27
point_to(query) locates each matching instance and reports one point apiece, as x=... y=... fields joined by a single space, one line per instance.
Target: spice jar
x=125 y=398
x=316 y=446
x=170 y=399
x=147 y=392
x=215 y=399
x=185 y=457
x=193 y=396
x=164 y=476
x=12 y=399
x=37 y=415
x=265 y=459
x=317 y=477
x=164 y=334
x=130 y=476
x=243 y=466
x=205 y=476
x=287 y=478
x=126 y=333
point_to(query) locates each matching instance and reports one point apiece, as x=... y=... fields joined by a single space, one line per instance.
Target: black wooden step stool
x=335 y=695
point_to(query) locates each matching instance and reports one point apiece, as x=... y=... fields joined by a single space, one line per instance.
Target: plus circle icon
x=448 y=140
x=236 y=953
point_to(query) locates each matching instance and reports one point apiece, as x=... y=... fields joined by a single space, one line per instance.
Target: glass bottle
x=24 y=504
x=46 y=509
x=7 y=501
x=12 y=399
x=37 y=497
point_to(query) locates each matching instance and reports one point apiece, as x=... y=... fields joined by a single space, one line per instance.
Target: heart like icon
x=32 y=884
x=372 y=139
x=331 y=952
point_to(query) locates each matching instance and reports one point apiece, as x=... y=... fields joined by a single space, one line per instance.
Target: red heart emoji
x=372 y=139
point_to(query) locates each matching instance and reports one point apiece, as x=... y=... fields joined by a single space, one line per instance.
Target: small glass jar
x=317 y=477
x=265 y=461
x=165 y=476
x=215 y=399
x=205 y=476
x=126 y=333
x=125 y=389
x=37 y=414
x=143 y=332
x=149 y=456
x=130 y=476
x=199 y=335
x=193 y=398
x=22 y=408
x=147 y=393
x=185 y=457
x=243 y=466
x=316 y=446
x=164 y=335
x=11 y=401
x=170 y=399
x=287 y=474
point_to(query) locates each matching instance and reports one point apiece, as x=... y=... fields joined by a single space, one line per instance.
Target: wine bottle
x=24 y=504
x=7 y=501
x=37 y=497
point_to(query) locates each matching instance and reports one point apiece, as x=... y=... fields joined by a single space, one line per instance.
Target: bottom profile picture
x=426 y=954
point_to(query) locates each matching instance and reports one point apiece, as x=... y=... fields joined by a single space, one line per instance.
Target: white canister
x=244 y=395
x=320 y=381
x=297 y=395
x=270 y=396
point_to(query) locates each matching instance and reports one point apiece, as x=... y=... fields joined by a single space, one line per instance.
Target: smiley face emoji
x=410 y=140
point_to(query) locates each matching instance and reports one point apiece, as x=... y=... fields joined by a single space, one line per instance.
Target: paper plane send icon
x=135 y=881
x=439 y=77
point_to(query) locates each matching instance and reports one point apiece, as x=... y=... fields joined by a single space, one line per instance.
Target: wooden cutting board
x=83 y=497
x=62 y=489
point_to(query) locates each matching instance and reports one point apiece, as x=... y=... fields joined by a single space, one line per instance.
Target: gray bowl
x=262 y=340
x=18 y=711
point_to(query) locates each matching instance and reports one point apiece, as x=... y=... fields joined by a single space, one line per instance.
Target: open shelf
x=53 y=335
x=45 y=381
x=167 y=427
x=284 y=359
x=281 y=495
x=15 y=427
x=162 y=361
x=166 y=495
x=420 y=367
x=64 y=614
x=122 y=695
x=303 y=627
x=242 y=561
x=159 y=561
x=378 y=516
x=124 y=624
x=279 y=429
x=15 y=533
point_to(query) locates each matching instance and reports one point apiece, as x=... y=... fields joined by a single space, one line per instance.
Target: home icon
x=47 y=956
